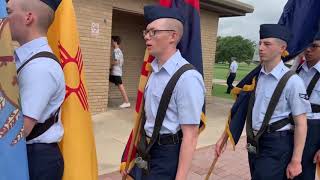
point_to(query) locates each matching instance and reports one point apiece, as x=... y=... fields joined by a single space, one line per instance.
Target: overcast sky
x=265 y=11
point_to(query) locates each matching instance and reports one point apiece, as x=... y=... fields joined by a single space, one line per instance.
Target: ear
x=283 y=47
x=174 y=37
x=29 y=18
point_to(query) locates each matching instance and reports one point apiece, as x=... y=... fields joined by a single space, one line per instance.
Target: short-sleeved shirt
x=307 y=74
x=117 y=68
x=42 y=88
x=187 y=100
x=293 y=99
x=234 y=67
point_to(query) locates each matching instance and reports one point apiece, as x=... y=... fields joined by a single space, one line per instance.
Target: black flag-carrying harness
x=40 y=128
x=315 y=107
x=144 y=146
x=252 y=138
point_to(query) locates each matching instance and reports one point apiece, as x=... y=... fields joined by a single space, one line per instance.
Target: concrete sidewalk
x=223 y=82
x=225 y=169
x=113 y=128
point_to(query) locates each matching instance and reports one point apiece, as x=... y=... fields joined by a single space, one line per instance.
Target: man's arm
x=300 y=133
x=114 y=62
x=29 y=123
x=188 y=146
x=221 y=144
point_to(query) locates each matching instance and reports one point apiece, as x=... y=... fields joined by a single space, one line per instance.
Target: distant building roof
x=227 y=8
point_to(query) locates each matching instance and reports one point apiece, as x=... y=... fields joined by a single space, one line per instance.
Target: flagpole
x=215 y=160
x=212 y=167
x=134 y=137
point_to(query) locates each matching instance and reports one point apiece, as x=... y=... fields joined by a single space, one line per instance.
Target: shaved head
x=174 y=24
x=29 y=19
x=43 y=12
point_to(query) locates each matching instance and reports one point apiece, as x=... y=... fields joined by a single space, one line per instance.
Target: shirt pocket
x=156 y=97
x=315 y=95
x=281 y=105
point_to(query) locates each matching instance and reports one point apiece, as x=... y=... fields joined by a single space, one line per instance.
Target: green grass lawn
x=219 y=91
x=220 y=71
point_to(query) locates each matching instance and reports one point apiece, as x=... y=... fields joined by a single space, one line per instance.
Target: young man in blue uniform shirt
x=42 y=85
x=171 y=160
x=280 y=151
x=309 y=69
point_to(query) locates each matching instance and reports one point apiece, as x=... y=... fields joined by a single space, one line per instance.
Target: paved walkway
x=233 y=165
x=223 y=82
x=112 y=129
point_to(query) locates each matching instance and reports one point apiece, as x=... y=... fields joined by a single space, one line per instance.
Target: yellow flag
x=77 y=145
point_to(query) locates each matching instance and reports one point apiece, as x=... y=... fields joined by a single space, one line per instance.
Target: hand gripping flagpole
x=215 y=160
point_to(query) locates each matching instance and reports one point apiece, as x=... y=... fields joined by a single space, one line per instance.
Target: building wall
x=95 y=48
x=129 y=27
x=113 y=20
x=209 y=28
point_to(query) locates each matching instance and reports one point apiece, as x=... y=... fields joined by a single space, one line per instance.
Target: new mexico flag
x=77 y=146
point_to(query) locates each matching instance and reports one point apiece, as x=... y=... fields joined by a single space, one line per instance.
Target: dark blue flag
x=302 y=17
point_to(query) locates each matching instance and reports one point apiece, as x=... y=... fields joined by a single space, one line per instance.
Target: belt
x=167 y=139
x=280 y=133
x=315 y=108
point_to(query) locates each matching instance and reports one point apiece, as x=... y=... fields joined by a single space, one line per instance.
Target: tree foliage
x=234 y=46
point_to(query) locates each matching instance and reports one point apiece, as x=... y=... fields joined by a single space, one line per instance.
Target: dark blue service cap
x=154 y=12
x=275 y=31
x=53 y=4
x=317 y=37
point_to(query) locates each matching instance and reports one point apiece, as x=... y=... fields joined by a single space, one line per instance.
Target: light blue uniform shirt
x=292 y=99
x=306 y=75
x=186 y=103
x=42 y=88
x=234 y=67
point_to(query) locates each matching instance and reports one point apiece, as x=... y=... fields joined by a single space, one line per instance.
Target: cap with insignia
x=154 y=12
x=275 y=31
x=53 y=4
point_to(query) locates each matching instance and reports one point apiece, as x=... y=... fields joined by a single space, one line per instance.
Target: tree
x=234 y=46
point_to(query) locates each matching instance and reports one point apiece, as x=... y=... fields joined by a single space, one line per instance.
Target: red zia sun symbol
x=75 y=85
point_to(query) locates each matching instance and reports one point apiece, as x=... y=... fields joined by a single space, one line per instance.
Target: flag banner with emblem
x=13 y=153
x=302 y=17
x=294 y=17
x=77 y=145
x=190 y=48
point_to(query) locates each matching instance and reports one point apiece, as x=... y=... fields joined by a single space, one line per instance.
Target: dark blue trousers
x=275 y=152
x=45 y=161
x=311 y=147
x=164 y=162
x=230 y=80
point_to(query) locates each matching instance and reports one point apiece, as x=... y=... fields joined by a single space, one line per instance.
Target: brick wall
x=209 y=28
x=129 y=26
x=112 y=19
x=95 y=48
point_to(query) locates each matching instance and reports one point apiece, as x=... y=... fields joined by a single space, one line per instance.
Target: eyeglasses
x=314 y=46
x=153 y=32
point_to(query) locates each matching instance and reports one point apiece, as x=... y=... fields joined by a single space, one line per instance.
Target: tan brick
x=124 y=18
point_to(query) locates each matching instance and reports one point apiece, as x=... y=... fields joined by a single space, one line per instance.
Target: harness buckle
x=251 y=149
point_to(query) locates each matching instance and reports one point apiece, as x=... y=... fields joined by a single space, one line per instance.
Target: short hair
x=43 y=11
x=176 y=25
x=116 y=39
x=281 y=42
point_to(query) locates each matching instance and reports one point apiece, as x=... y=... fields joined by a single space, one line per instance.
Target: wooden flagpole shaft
x=212 y=167
x=215 y=160
x=134 y=137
